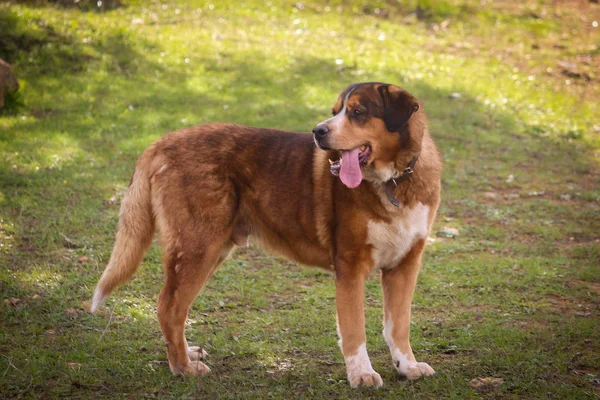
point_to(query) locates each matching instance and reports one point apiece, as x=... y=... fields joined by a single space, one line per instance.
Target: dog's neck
x=392 y=183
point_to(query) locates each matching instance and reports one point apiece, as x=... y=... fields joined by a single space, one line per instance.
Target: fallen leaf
x=73 y=365
x=83 y=259
x=13 y=301
x=485 y=384
x=69 y=243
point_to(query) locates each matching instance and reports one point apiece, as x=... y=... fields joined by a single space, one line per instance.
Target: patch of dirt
x=485 y=385
x=26 y=246
x=570 y=307
x=594 y=286
x=577 y=238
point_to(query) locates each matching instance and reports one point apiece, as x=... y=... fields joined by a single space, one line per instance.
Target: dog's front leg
x=398 y=287
x=350 y=288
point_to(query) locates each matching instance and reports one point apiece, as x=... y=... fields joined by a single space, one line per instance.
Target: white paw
x=415 y=370
x=366 y=379
x=360 y=371
x=195 y=368
x=197 y=353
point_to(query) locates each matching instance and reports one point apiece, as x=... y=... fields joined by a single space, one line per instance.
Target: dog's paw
x=365 y=379
x=414 y=370
x=195 y=368
x=197 y=353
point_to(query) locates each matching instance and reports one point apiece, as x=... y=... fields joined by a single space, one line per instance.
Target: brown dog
x=207 y=189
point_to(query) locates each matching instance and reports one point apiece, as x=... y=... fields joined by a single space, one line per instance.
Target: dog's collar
x=391 y=184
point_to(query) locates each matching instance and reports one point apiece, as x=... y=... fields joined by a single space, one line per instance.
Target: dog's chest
x=391 y=241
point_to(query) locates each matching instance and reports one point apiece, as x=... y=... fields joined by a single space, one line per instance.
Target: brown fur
x=207 y=189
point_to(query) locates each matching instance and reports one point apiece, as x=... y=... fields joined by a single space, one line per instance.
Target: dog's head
x=370 y=128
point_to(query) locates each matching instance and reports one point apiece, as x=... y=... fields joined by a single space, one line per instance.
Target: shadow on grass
x=81 y=5
x=37 y=42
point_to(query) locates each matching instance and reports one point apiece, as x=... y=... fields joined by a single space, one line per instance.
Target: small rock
x=537 y=193
x=447 y=233
x=510 y=179
x=566 y=197
x=490 y=195
x=567 y=65
x=83 y=259
x=583 y=314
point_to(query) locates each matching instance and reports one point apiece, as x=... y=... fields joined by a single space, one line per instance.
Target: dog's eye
x=357 y=112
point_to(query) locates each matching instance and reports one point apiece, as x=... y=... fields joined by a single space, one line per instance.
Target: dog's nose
x=320 y=131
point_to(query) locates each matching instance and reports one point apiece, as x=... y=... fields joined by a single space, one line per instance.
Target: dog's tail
x=134 y=235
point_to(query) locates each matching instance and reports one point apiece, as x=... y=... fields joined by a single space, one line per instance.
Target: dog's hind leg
x=187 y=272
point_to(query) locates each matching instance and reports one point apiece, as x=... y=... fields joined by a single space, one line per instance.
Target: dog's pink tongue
x=350 y=172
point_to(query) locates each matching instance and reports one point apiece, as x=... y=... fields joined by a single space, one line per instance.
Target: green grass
x=515 y=296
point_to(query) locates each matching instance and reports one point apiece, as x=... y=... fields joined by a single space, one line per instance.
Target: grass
x=511 y=90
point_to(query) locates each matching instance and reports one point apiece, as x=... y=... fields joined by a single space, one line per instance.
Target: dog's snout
x=320 y=130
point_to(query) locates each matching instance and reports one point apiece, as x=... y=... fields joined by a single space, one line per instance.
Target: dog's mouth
x=348 y=166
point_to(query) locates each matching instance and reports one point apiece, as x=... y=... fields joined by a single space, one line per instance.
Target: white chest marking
x=392 y=241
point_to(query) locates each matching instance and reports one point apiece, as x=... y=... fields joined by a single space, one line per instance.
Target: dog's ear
x=398 y=107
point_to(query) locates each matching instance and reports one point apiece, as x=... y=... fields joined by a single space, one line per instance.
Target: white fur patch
x=405 y=366
x=392 y=241
x=98 y=299
x=359 y=363
x=358 y=366
x=336 y=123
